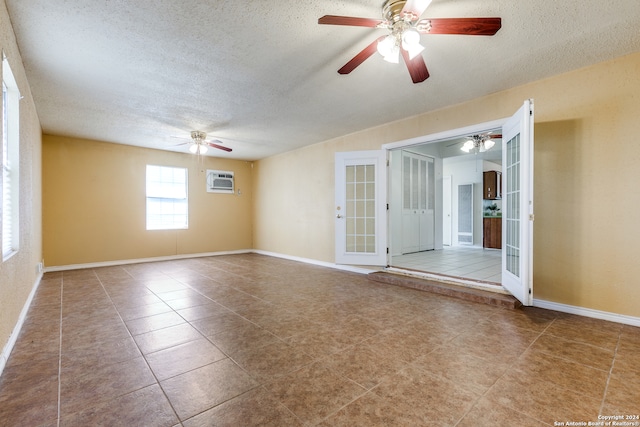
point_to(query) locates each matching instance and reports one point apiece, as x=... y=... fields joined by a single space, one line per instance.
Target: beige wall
x=94 y=204
x=587 y=200
x=18 y=275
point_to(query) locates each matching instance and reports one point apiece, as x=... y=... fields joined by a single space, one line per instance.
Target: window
x=10 y=145
x=167 y=203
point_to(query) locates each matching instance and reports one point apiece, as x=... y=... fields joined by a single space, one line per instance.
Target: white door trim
x=449 y=134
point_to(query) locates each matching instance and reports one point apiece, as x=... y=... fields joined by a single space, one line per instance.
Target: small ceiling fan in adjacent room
x=480 y=143
x=200 y=144
x=402 y=19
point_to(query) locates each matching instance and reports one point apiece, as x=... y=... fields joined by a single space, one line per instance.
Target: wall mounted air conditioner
x=220 y=181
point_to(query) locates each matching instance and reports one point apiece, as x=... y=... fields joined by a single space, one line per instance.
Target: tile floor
x=250 y=340
x=461 y=261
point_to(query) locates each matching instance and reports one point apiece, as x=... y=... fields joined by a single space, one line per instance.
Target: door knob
x=338 y=216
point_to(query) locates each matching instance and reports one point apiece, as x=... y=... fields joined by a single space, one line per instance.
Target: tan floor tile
x=585 y=354
x=37 y=343
x=363 y=365
x=627 y=358
x=477 y=374
x=255 y=408
x=486 y=413
x=201 y=389
x=435 y=400
x=77 y=359
x=536 y=319
x=543 y=400
x=623 y=394
x=320 y=342
x=373 y=411
x=182 y=358
x=210 y=309
x=287 y=325
x=92 y=334
x=406 y=345
x=492 y=348
x=314 y=392
x=271 y=361
x=585 y=380
x=145 y=407
x=243 y=338
x=138 y=312
x=221 y=322
x=329 y=347
x=103 y=383
x=179 y=294
x=599 y=333
x=187 y=302
x=167 y=337
x=134 y=299
x=27 y=403
x=153 y=323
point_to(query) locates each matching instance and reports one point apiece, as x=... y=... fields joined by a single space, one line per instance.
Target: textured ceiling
x=261 y=76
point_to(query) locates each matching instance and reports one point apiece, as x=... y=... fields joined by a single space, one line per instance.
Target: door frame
x=434 y=138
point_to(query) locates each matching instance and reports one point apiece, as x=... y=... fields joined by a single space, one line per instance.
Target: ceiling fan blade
x=349 y=20
x=360 y=57
x=464 y=26
x=495 y=136
x=214 y=141
x=417 y=67
x=415 y=7
x=219 y=147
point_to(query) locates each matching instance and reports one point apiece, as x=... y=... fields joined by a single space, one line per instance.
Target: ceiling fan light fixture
x=414 y=50
x=386 y=45
x=410 y=37
x=478 y=144
x=411 y=42
x=467 y=147
x=198 y=148
x=393 y=56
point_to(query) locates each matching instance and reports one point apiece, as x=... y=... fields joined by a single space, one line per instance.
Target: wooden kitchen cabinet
x=492 y=233
x=492 y=185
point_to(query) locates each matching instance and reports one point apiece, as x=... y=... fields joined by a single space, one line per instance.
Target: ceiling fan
x=402 y=19
x=480 y=143
x=200 y=144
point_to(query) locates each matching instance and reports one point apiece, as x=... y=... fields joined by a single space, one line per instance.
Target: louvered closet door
x=418 y=199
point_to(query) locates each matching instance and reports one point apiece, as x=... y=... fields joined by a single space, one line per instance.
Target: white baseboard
x=141 y=260
x=6 y=351
x=587 y=312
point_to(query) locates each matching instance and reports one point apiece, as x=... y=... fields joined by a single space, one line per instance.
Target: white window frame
x=167 y=195
x=10 y=162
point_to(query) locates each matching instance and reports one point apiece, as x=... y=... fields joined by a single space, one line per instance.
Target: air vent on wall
x=220 y=181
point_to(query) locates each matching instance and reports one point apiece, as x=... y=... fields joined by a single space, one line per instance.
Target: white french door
x=360 y=207
x=517 y=204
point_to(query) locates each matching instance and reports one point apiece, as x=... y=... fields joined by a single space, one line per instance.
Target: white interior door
x=446 y=210
x=361 y=207
x=418 y=203
x=517 y=204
